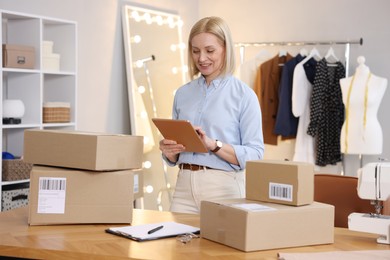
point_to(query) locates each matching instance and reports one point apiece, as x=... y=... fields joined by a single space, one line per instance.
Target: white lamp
x=13 y=111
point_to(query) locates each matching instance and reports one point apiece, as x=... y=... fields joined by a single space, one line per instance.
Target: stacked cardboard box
x=79 y=177
x=279 y=210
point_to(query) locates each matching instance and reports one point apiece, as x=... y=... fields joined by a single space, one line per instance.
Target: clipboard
x=182 y=132
x=142 y=233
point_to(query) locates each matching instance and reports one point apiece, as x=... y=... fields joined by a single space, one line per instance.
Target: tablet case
x=182 y=132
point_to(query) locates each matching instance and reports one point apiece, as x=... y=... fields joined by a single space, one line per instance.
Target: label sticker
x=51 y=195
x=280 y=191
x=252 y=207
x=136 y=183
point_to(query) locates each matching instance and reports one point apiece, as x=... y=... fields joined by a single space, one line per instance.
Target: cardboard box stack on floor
x=278 y=212
x=80 y=177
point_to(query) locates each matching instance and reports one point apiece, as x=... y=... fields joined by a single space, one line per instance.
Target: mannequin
x=362 y=94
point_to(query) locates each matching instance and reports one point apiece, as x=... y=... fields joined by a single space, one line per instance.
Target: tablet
x=182 y=132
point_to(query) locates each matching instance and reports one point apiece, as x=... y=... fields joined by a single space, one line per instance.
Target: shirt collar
x=214 y=83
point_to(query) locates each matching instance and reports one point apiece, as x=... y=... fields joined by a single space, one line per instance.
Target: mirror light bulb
x=135 y=14
x=137 y=38
x=149 y=189
x=179 y=23
x=147 y=164
x=182 y=45
x=159 y=20
x=141 y=89
x=144 y=114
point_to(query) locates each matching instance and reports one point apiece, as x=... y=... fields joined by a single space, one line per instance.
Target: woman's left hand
x=227 y=153
x=208 y=142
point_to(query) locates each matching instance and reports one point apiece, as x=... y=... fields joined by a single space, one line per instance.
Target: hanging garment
x=246 y=72
x=302 y=87
x=327 y=112
x=286 y=123
x=267 y=91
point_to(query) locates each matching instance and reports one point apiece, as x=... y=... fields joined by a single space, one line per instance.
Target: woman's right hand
x=171 y=149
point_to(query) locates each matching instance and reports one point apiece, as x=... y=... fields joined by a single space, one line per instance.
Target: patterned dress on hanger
x=327 y=112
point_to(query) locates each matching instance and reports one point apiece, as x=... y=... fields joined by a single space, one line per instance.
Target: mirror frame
x=133 y=96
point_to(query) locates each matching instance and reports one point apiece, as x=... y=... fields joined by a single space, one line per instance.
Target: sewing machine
x=374 y=185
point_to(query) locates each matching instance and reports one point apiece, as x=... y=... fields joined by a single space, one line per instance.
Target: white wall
x=308 y=20
x=102 y=93
x=102 y=86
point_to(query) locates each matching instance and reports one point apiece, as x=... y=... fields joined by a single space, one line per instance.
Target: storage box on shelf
x=56 y=112
x=14 y=196
x=50 y=60
x=15 y=169
x=18 y=56
x=35 y=82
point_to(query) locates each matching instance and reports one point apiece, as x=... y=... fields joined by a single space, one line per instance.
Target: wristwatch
x=219 y=146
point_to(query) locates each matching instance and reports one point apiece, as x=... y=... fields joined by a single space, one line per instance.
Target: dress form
x=362 y=94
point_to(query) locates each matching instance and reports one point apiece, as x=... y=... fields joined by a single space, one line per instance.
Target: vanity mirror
x=155 y=69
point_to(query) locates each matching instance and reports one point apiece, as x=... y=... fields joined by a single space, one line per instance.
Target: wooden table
x=91 y=242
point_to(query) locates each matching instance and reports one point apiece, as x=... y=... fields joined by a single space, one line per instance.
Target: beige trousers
x=194 y=186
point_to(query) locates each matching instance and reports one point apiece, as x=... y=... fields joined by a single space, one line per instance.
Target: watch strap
x=216 y=148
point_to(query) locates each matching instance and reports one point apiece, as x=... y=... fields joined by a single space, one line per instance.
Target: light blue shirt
x=227 y=110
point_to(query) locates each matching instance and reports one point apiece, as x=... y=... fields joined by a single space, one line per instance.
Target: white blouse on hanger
x=247 y=71
x=301 y=93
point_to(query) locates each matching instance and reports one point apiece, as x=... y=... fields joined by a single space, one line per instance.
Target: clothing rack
x=347 y=44
x=243 y=45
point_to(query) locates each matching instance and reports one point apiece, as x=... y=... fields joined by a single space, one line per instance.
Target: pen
x=155 y=229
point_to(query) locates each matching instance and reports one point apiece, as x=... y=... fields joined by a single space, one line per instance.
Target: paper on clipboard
x=182 y=132
x=140 y=232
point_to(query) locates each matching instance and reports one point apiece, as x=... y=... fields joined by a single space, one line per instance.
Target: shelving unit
x=38 y=85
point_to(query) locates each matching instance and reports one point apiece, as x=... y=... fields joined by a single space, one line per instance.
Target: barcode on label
x=54 y=184
x=280 y=191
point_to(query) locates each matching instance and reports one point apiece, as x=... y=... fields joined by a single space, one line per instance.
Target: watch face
x=219 y=144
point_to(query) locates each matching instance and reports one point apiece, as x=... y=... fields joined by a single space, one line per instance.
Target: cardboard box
x=82 y=150
x=252 y=225
x=69 y=196
x=284 y=182
x=18 y=56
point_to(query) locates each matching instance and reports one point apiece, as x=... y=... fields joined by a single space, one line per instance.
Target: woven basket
x=15 y=169
x=56 y=114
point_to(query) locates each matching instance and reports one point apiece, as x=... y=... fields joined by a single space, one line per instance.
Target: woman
x=226 y=114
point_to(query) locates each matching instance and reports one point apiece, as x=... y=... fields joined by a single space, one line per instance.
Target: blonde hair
x=218 y=27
